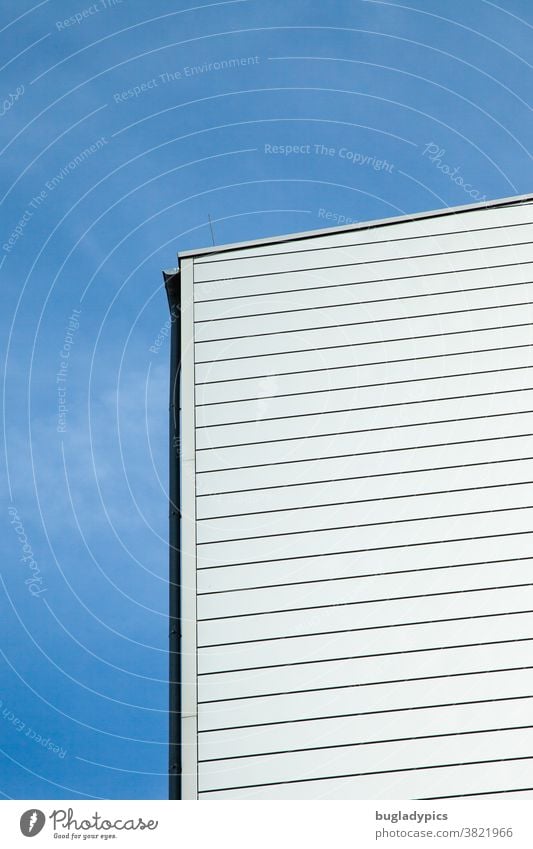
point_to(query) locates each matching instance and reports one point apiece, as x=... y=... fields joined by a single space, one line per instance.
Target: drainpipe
x=172 y=285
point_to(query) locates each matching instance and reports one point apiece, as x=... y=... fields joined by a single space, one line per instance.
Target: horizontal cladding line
x=356 y=303
x=365 y=550
x=363 y=601
x=367 y=684
x=365 y=365
x=365 y=743
x=365 y=244
x=364 y=575
x=370 y=524
x=479 y=794
x=364 y=227
x=362 y=282
x=378 y=474
x=366 y=628
x=368 y=262
x=366 y=656
x=362 y=453
x=367 y=713
x=363 y=774
x=322 y=413
x=359 y=344
x=330 y=390
x=361 y=323
x=371 y=500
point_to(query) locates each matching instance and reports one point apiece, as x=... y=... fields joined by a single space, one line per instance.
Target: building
x=356 y=493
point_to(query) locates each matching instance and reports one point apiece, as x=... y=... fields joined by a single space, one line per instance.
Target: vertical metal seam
x=172 y=285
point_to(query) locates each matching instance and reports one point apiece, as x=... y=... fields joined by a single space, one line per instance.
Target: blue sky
x=122 y=127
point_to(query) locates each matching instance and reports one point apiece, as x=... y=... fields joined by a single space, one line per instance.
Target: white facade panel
x=437 y=347
x=381 y=558
x=433 y=287
x=357 y=376
x=244 y=602
x=391 y=696
x=407 y=448
x=344 y=731
x=359 y=520
x=424 y=636
x=450 y=781
x=353 y=489
x=364 y=253
x=422 y=226
x=293 y=279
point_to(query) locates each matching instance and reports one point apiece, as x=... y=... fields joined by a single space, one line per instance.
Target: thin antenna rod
x=211 y=228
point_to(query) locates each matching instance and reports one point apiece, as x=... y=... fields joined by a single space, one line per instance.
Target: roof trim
x=380 y=222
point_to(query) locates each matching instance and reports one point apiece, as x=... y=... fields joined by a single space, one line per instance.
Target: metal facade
x=357 y=511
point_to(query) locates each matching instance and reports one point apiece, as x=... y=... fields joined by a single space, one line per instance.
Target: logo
x=32 y=822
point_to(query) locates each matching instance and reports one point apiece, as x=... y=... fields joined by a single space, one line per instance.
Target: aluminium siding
x=362 y=531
